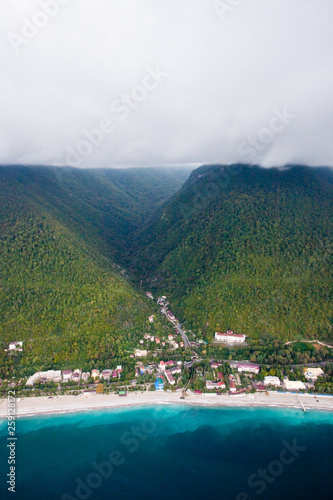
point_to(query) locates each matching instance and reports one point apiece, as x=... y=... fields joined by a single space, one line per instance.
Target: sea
x=171 y=452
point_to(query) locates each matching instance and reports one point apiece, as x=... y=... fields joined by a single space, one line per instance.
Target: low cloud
x=229 y=65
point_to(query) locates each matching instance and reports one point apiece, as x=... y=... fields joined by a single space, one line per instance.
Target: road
x=184 y=336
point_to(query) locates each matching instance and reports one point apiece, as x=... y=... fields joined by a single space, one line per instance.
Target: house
x=106 y=374
x=67 y=375
x=176 y=345
x=141 y=341
x=150 y=295
x=294 y=385
x=176 y=369
x=259 y=387
x=170 y=337
x=76 y=377
x=163 y=344
x=95 y=373
x=230 y=337
x=159 y=384
x=114 y=374
x=169 y=377
x=162 y=366
x=181 y=344
x=211 y=385
x=157 y=340
x=85 y=376
x=171 y=316
x=15 y=346
x=219 y=376
x=151 y=319
x=146 y=336
x=312 y=374
x=248 y=367
x=214 y=365
x=269 y=380
x=140 y=353
x=232 y=386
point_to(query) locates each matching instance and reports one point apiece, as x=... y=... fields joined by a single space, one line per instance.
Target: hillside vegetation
x=61 y=291
x=248 y=249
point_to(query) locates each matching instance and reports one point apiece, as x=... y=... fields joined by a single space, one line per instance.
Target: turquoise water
x=173 y=452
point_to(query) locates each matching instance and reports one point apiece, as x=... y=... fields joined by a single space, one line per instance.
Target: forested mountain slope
x=61 y=292
x=104 y=206
x=246 y=248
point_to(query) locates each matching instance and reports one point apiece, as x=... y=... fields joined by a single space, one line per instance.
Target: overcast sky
x=111 y=83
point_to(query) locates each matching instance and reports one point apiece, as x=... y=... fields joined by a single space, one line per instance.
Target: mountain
x=61 y=289
x=245 y=248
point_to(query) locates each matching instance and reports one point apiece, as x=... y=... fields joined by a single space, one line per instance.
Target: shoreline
x=60 y=405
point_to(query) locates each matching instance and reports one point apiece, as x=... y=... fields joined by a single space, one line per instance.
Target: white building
x=230 y=337
x=270 y=380
x=169 y=377
x=140 y=353
x=294 y=385
x=67 y=375
x=151 y=319
x=48 y=376
x=15 y=346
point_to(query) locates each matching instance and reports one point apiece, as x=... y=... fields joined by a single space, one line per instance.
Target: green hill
x=246 y=248
x=61 y=292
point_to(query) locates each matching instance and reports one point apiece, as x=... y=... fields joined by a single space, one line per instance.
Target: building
x=170 y=337
x=159 y=384
x=140 y=353
x=214 y=365
x=15 y=346
x=48 y=376
x=232 y=386
x=219 y=376
x=76 y=377
x=230 y=337
x=85 y=376
x=95 y=374
x=211 y=385
x=176 y=369
x=259 y=387
x=269 y=380
x=150 y=295
x=169 y=377
x=67 y=375
x=162 y=366
x=294 y=385
x=248 y=367
x=312 y=374
x=106 y=374
x=171 y=316
x=169 y=363
x=157 y=340
x=151 y=319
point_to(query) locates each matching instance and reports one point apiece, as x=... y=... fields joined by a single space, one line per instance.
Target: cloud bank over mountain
x=149 y=82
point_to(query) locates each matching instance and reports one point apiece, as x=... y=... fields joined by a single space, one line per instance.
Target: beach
x=83 y=402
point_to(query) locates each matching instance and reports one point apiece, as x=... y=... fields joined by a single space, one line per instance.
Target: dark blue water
x=171 y=452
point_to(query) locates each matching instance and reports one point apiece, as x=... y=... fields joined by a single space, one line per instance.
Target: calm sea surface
x=172 y=452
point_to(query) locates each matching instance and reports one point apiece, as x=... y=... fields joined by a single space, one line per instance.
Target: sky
x=110 y=83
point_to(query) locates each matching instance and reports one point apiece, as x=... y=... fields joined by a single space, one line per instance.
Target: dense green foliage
x=61 y=293
x=246 y=248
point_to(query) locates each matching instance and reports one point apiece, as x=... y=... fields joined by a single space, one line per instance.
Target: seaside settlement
x=179 y=362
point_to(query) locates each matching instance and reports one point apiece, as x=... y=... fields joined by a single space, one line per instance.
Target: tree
x=99 y=388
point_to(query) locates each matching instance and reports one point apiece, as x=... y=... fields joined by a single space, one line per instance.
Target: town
x=183 y=367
